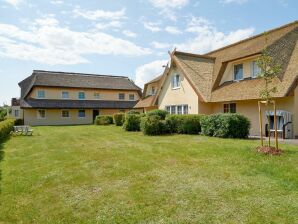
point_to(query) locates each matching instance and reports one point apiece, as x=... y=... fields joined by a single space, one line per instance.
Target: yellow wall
x=12 y=114
x=184 y=95
x=247 y=69
x=56 y=93
x=250 y=109
x=53 y=117
x=296 y=113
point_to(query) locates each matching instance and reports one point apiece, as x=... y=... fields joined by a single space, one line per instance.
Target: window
x=255 y=69
x=65 y=113
x=176 y=81
x=81 y=95
x=131 y=96
x=229 y=108
x=41 y=94
x=121 y=96
x=16 y=113
x=81 y=113
x=177 y=109
x=238 y=72
x=153 y=90
x=96 y=96
x=65 y=95
x=41 y=114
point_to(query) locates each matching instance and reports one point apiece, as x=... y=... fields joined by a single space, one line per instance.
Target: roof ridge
x=79 y=74
x=253 y=37
x=194 y=55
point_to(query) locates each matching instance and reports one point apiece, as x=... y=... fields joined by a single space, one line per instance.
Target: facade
x=150 y=93
x=59 y=98
x=225 y=80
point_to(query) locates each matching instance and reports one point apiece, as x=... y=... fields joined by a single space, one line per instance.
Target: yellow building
x=59 y=98
x=225 y=80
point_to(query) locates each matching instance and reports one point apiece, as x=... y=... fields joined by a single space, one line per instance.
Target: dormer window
x=153 y=90
x=176 y=81
x=238 y=72
x=255 y=70
x=41 y=94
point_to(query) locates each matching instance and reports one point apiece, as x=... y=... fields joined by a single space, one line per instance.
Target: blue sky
x=122 y=37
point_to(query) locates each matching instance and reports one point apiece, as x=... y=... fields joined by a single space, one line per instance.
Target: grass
x=101 y=174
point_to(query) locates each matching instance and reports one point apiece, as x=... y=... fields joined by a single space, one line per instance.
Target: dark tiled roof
x=75 y=80
x=76 y=104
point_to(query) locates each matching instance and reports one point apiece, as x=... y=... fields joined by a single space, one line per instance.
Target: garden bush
x=119 y=119
x=226 y=125
x=132 y=122
x=154 y=125
x=6 y=127
x=133 y=112
x=103 y=120
x=161 y=113
x=19 y=122
x=184 y=123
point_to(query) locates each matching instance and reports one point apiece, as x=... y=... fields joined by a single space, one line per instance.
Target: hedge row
x=6 y=127
x=119 y=119
x=184 y=123
x=132 y=122
x=225 y=125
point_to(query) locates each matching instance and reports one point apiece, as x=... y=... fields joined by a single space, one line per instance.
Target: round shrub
x=103 y=120
x=119 y=119
x=226 y=125
x=184 y=123
x=161 y=113
x=153 y=125
x=132 y=122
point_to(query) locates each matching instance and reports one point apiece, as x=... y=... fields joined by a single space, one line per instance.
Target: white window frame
x=153 y=90
x=234 y=75
x=62 y=96
x=174 y=108
x=16 y=113
x=253 y=65
x=131 y=94
x=62 y=114
x=84 y=113
x=175 y=84
x=38 y=114
x=39 y=91
x=96 y=96
x=79 y=95
x=121 y=94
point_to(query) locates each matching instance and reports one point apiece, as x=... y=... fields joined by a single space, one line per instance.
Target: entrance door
x=95 y=113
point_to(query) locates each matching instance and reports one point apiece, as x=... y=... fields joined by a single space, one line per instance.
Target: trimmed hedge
x=103 y=120
x=225 y=125
x=6 y=127
x=161 y=113
x=184 y=123
x=119 y=119
x=133 y=112
x=132 y=122
x=154 y=125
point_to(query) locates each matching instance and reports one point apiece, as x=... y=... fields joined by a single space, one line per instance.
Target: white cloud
x=99 y=14
x=167 y=7
x=147 y=72
x=172 y=30
x=50 y=43
x=56 y=2
x=159 y=45
x=208 y=38
x=169 y=3
x=14 y=3
x=129 y=33
x=233 y=1
x=106 y=25
x=153 y=27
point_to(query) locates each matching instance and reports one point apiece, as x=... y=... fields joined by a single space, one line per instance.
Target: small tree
x=268 y=71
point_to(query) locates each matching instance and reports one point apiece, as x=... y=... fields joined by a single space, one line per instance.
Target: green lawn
x=97 y=174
